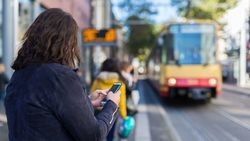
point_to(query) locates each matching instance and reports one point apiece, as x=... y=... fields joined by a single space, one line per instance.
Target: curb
x=236 y=89
x=172 y=131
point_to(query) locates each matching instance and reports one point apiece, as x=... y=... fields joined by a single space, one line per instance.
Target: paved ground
x=226 y=118
x=3 y=124
x=236 y=89
x=152 y=121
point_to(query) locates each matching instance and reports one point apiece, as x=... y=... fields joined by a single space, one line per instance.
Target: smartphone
x=116 y=86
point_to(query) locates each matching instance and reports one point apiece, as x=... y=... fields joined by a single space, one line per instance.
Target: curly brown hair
x=52 y=38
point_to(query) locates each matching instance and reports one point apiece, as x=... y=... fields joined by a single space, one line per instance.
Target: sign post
x=95 y=39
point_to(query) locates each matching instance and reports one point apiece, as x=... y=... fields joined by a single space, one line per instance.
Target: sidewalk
x=152 y=120
x=236 y=89
x=3 y=123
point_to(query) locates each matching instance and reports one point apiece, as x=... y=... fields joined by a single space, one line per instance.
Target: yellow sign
x=103 y=35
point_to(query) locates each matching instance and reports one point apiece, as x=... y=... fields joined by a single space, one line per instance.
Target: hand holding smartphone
x=115 y=88
x=115 y=97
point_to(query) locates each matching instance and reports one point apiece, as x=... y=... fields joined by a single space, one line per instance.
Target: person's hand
x=97 y=97
x=115 y=97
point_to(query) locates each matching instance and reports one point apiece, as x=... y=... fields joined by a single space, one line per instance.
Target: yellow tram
x=184 y=61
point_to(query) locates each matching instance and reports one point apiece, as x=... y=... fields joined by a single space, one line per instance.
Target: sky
x=164 y=11
x=25 y=1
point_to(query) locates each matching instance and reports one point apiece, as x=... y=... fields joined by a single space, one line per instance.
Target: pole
x=15 y=29
x=243 y=43
x=99 y=14
x=102 y=20
x=108 y=14
x=7 y=36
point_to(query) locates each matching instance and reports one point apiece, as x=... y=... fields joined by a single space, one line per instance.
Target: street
x=225 y=118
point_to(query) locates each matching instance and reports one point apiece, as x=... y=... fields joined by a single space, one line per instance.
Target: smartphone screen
x=116 y=86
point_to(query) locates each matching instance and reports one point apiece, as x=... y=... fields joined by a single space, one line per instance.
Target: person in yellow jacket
x=109 y=74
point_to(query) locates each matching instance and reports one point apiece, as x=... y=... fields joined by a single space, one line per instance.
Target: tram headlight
x=171 y=81
x=212 y=81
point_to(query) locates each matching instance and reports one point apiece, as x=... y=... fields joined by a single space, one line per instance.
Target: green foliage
x=141 y=8
x=141 y=38
x=203 y=9
x=141 y=34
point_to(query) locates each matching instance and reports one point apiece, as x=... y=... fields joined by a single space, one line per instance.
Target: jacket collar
x=107 y=75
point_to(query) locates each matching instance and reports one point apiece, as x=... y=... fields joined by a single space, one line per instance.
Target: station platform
x=152 y=120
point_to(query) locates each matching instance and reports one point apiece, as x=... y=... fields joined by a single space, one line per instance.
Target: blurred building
x=236 y=38
x=8 y=38
x=79 y=9
x=17 y=15
x=103 y=19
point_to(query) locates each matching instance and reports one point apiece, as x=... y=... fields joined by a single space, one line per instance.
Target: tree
x=141 y=8
x=203 y=9
x=141 y=38
x=140 y=35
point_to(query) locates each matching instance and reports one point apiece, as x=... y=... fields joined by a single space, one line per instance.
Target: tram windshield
x=190 y=44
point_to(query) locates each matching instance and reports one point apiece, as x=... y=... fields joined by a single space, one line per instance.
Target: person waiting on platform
x=45 y=99
x=3 y=81
x=109 y=74
x=131 y=92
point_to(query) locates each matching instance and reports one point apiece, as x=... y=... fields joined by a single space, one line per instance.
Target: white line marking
x=3 y=118
x=192 y=130
x=235 y=120
x=143 y=132
x=230 y=136
x=200 y=132
x=143 y=121
x=176 y=136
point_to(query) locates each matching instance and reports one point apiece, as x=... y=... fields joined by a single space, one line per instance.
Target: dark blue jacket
x=47 y=102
